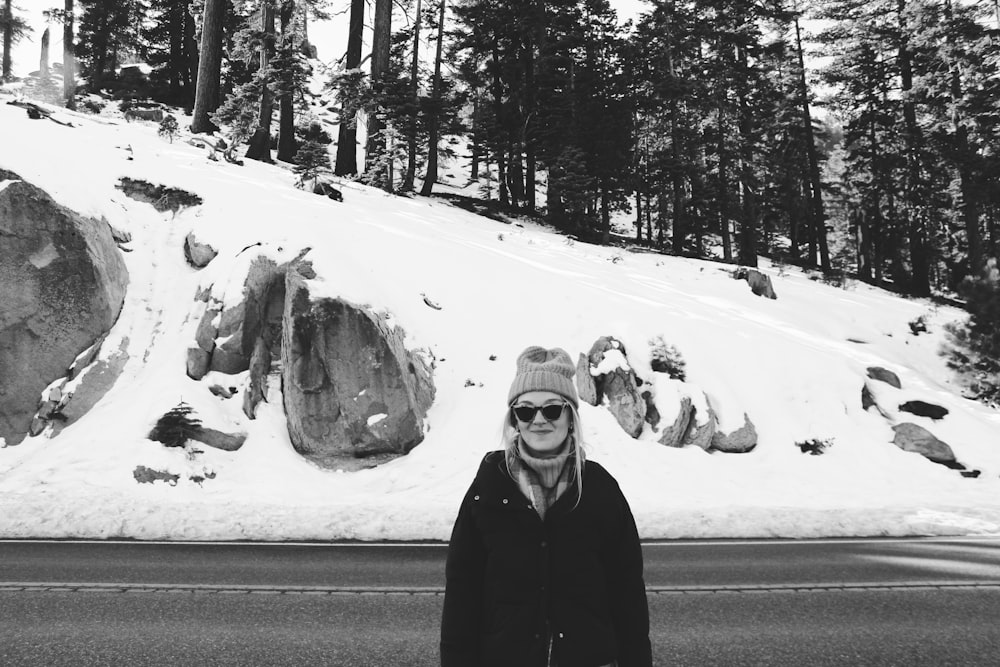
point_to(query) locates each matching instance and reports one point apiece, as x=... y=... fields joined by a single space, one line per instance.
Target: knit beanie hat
x=539 y=369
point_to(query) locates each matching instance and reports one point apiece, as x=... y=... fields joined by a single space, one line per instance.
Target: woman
x=544 y=564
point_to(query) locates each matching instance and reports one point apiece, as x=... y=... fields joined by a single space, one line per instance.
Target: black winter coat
x=510 y=576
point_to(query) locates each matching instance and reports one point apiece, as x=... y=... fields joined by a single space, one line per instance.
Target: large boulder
x=354 y=395
x=884 y=375
x=62 y=285
x=740 y=441
x=913 y=438
x=760 y=283
x=196 y=253
x=614 y=383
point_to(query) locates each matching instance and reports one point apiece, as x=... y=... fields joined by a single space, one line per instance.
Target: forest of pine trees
x=857 y=137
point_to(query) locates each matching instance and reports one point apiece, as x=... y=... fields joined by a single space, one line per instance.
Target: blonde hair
x=508 y=443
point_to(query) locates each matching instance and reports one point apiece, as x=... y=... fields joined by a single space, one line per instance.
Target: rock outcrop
x=196 y=253
x=604 y=375
x=693 y=425
x=760 y=283
x=914 y=438
x=740 y=441
x=62 y=286
x=354 y=395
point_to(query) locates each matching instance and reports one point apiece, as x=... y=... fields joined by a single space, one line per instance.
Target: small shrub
x=814 y=446
x=176 y=427
x=311 y=159
x=918 y=325
x=91 y=105
x=169 y=128
x=974 y=350
x=665 y=358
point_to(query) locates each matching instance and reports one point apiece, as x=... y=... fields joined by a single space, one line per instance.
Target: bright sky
x=795 y=366
x=328 y=38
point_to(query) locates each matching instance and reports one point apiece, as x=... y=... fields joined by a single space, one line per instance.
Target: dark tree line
x=699 y=123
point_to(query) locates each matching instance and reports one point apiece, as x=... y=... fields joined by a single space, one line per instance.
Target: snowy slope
x=795 y=365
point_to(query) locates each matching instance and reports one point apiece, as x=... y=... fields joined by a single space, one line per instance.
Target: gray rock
x=197 y=362
x=100 y=377
x=884 y=375
x=673 y=435
x=924 y=409
x=354 y=395
x=198 y=254
x=229 y=442
x=740 y=441
x=701 y=435
x=62 y=285
x=618 y=387
x=145 y=475
x=260 y=365
x=220 y=391
x=585 y=385
x=913 y=438
x=760 y=283
x=624 y=401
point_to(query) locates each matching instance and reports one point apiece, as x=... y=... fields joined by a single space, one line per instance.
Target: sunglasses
x=526 y=413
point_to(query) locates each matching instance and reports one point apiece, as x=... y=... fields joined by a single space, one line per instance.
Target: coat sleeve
x=463 y=596
x=630 y=609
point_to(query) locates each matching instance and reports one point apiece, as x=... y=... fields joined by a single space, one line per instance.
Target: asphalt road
x=848 y=602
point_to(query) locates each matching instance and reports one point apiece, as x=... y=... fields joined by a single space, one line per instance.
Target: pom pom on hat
x=539 y=369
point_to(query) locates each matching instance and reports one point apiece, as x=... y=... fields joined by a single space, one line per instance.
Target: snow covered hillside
x=795 y=365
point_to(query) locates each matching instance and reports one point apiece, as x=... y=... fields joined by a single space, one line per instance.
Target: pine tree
x=14 y=28
x=241 y=114
x=177 y=426
x=108 y=35
x=311 y=159
x=168 y=127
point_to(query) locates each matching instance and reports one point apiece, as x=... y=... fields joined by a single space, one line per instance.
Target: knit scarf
x=542 y=480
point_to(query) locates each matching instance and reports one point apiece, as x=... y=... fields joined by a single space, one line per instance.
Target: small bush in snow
x=918 y=325
x=169 y=128
x=974 y=350
x=311 y=159
x=814 y=446
x=176 y=427
x=665 y=358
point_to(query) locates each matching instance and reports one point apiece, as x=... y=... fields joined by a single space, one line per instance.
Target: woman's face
x=540 y=434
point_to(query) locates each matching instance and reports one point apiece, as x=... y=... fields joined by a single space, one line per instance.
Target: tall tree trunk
x=69 y=56
x=963 y=159
x=815 y=191
x=673 y=112
x=723 y=195
x=175 y=61
x=206 y=98
x=411 y=126
x=435 y=119
x=528 y=127
x=43 y=60
x=8 y=39
x=260 y=142
x=915 y=218
x=476 y=139
x=190 y=70
x=638 y=214
x=347 y=138
x=287 y=145
x=748 y=199
x=381 y=41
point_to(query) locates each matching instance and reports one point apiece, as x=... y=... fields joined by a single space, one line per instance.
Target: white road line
x=110 y=587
